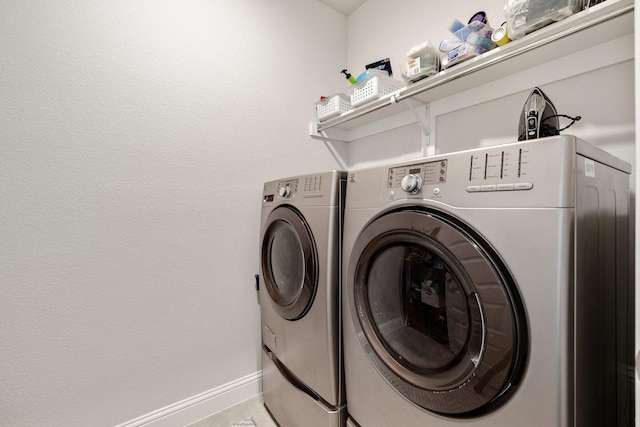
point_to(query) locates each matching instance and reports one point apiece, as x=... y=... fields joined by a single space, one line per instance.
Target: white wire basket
x=376 y=85
x=333 y=106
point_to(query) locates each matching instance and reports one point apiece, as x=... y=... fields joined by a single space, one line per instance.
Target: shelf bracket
x=322 y=135
x=421 y=112
x=336 y=134
x=342 y=164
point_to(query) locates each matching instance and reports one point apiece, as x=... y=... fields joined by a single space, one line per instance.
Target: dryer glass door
x=289 y=263
x=439 y=315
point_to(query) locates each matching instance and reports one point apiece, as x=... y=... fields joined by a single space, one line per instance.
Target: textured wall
x=134 y=141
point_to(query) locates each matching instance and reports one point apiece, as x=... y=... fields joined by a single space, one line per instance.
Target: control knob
x=284 y=191
x=411 y=183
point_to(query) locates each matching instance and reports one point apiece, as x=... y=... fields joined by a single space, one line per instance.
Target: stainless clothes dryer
x=490 y=287
x=303 y=380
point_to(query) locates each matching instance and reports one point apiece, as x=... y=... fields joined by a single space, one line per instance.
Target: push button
x=504 y=187
x=473 y=188
x=488 y=187
x=522 y=186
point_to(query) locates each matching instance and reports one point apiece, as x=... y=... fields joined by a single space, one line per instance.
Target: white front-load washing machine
x=302 y=374
x=490 y=287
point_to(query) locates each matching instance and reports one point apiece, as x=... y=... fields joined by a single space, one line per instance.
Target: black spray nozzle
x=348 y=76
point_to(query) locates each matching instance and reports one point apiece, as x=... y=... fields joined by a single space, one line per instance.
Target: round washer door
x=289 y=262
x=437 y=312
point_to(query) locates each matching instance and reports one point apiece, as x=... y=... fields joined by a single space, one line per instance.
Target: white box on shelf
x=422 y=61
x=376 y=85
x=333 y=106
x=526 y=16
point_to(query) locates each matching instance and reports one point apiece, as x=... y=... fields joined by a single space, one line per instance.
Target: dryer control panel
x=321 y=189
x=288 y=188
x=311 y=184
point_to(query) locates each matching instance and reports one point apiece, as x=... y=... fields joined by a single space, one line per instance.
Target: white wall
x=134 y=141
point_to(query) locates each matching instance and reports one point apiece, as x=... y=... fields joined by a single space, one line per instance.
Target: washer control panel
x=533 y=173
x=495 y=169
x=499 y=170
x=411 y=178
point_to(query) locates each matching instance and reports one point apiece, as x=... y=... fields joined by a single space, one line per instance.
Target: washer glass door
x=439 y=315
x=289 y=262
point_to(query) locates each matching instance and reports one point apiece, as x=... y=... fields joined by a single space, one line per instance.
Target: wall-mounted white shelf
x=601 y=23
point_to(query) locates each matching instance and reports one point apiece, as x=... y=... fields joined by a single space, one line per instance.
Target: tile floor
x=250 y=413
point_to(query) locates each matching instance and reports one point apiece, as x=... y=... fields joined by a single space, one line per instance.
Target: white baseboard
x=202 y=405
